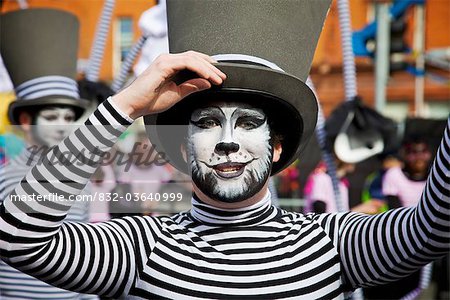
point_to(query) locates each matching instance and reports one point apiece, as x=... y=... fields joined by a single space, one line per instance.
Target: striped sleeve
x=385 y=247
x=88 y=258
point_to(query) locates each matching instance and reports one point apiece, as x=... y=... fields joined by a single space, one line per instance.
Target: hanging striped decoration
x=350 y=85
x=326 y=156
x=424 y=282
x=98 y=47
x=127 y=64
x=349 y=68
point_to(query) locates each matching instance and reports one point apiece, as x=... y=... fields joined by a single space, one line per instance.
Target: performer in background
x=247 y=114
x=46 y=109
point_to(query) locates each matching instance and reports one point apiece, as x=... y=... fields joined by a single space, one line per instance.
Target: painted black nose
x=227 y=148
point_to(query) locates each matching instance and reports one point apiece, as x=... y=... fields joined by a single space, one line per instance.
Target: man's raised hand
x=155 y=91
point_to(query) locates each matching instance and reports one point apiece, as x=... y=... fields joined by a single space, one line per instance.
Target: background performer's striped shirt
x=13 y=283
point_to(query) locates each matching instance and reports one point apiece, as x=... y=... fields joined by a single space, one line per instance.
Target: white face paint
x=53 y=125
x=229 y=151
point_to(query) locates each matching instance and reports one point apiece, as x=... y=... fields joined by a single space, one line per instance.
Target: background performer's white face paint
x=53 y=125
x=229 y=151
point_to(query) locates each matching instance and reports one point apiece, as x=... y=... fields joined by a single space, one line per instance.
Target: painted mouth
x=56 y=138
x=229 y=169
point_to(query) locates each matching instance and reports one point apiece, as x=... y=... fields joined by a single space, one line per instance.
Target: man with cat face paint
x=242 y=118
x=230 y=151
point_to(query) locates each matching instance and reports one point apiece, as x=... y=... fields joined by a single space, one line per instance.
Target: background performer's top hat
x=265 y=48
x=39 y=48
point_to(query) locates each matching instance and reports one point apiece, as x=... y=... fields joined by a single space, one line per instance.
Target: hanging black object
x=98 y=91
x=356 y=132
x=95 y=93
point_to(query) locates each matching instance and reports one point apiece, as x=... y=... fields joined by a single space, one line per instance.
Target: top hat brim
x=289 y=103
x=15 y=107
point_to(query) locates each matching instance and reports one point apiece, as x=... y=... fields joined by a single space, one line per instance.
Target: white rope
x=350 y=83
x=326 y=155
x=349 y=70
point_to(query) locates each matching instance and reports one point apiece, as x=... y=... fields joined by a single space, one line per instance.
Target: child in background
x=320 y=196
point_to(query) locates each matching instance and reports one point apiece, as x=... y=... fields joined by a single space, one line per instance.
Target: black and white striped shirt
x=257 y=252
x=13 y=283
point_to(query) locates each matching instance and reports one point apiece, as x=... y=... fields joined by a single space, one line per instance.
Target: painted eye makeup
x=249 y=122
x=69 y=118
x=206 y=122
x=50 y=117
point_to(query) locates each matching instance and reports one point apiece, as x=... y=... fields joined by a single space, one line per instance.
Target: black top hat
x=39 y=48
x=265 y=48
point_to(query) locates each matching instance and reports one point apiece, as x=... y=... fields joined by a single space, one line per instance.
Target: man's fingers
x=199 y=54
x=196 y=63
x=193 y=85
x=155 y=89
x=219 y=76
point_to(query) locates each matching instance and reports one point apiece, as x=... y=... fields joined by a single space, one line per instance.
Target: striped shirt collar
x=251 y=215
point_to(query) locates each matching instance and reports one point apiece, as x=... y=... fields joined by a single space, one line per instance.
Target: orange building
x=327 y=62
x=400 y=89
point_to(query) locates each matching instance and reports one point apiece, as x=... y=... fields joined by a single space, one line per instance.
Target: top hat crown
x=265 y=48
x=39 y=48
x=284 y=33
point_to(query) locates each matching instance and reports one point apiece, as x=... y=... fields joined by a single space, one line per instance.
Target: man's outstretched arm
x=90 y=258
x=385 y=247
